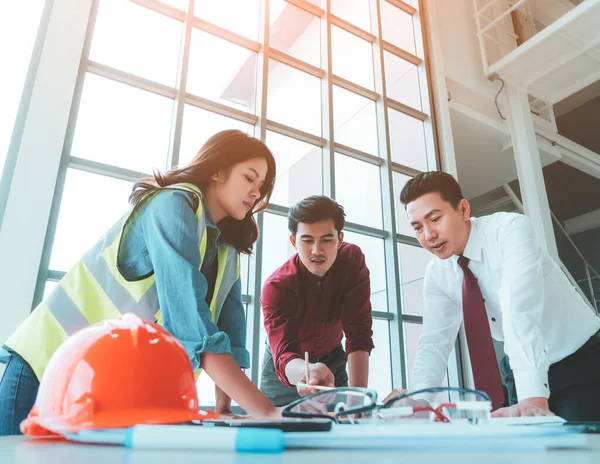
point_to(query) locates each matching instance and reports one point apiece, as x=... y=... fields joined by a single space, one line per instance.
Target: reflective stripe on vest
x=95 y=290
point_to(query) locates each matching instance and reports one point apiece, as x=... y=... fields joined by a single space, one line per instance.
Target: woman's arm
x=223 y=369
x=169 y=228
x=223 y=402
x=232 y=321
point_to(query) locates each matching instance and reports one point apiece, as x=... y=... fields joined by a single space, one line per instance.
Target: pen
x=323 y=388
x=306 y=366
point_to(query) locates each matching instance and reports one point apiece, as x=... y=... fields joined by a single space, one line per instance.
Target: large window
x=19 y=22
x=337 y=96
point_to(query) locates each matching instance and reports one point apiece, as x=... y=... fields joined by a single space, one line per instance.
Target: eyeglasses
x=338 y=404
x=443 y=404
x=346 y=404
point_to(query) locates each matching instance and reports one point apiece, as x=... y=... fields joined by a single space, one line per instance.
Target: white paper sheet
x=429 y=437
x=536 y=420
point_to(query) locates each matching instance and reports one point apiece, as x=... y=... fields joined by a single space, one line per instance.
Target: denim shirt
x=163 y=239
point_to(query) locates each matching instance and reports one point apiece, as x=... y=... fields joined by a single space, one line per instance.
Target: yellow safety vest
x=95 y=290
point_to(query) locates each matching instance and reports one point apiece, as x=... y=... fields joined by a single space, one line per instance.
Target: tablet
x=289 y=424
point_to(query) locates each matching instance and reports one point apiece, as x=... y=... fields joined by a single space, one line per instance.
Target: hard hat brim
x=37 y=427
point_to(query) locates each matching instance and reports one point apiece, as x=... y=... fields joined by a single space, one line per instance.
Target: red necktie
x=479 y=338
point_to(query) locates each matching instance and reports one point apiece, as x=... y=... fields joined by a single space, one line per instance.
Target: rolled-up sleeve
x=169 y=226
x=357 y=318
x=233 y=322
x=279 y=310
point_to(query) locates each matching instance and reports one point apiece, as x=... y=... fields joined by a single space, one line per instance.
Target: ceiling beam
x=583 y=223
x=577 y=99
x=543 y=144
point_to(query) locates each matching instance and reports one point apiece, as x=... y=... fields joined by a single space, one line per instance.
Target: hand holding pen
x=316 y=375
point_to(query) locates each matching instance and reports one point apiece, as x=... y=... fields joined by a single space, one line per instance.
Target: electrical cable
x=497 y=95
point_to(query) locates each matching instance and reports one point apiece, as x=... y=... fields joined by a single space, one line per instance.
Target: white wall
x=478 y=132
x=460 y=47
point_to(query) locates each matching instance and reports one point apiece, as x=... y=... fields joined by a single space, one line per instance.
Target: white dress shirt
x=530 y=303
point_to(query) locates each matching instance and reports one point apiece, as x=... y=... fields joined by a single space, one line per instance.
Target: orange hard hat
x=115 y=374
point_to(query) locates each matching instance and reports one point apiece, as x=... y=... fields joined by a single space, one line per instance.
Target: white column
x=459 y=367
x=437 y=73
x=32 y=189
x=529 y=167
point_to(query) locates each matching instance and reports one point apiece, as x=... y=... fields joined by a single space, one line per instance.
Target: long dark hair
x=220 y=152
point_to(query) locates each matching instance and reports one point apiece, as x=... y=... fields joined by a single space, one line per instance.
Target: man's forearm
x=358 y=369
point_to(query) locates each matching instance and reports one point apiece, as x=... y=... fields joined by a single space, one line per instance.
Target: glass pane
x=19 y=23
x=355 y=121
x=199 y=125
x=373 y=250
x=206 y=390
x=299 y=169
x=137 y=40
x=413 y=264
x=276 y=243
x=412 y=333
x=354 y=11
x=296 y=32
x=50 y=285
x=232 y=76
x=407 y=140
x=412 y=298
x=239 y=16
x=380 y=367
x=294 y=98
x=403 y=226
x=261 y=345
x=352 y=58
x=362 y=205
x=397 y=27
x=90 y=205
x=275 y=233
x=120 y=125
x=402 y=81
x=244 y=266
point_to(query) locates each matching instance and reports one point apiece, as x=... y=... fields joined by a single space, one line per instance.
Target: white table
x=21 y=450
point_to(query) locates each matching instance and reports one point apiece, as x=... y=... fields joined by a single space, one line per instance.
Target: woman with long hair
x=174 y=259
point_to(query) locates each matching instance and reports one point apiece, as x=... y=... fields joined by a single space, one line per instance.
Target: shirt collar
x=473 y=249
x=308 y=276
x=211 y=223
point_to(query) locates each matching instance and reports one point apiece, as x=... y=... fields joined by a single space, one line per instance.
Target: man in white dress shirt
x=493 y=273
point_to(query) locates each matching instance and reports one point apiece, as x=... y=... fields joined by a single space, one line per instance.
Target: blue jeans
x=18 y=389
